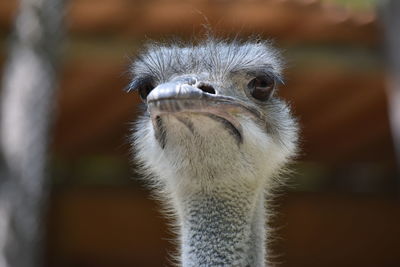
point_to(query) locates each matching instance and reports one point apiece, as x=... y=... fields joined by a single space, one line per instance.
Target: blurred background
x=342 y=206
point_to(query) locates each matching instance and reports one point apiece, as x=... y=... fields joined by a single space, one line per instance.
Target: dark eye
x=144 y=87
x=262 y=87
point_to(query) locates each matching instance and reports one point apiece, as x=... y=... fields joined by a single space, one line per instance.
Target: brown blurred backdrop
x=342 y=208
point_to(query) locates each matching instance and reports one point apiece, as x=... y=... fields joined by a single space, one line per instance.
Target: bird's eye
x=144 y=86
x=262 y=87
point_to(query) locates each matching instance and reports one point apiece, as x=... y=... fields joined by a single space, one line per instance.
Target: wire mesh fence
x=28 y=90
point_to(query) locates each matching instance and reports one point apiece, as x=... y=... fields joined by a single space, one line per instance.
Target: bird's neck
x=223 y=229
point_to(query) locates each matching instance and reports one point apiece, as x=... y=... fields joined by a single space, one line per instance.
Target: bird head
x=212 y=109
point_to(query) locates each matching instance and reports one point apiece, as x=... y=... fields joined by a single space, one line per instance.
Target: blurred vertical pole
x=28 y=89
x=391 y=19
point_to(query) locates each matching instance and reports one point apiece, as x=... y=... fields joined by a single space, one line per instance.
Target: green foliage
x=355 y=4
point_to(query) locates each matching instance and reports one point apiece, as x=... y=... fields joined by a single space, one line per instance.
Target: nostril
x=206 y=88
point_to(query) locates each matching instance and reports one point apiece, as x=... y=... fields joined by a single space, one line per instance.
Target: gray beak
x=176 y=90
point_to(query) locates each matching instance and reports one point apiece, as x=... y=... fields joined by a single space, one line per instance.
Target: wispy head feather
x=216 y=57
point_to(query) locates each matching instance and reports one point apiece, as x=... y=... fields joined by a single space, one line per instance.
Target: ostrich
x=213 y=142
